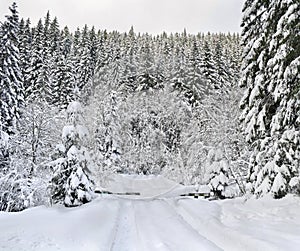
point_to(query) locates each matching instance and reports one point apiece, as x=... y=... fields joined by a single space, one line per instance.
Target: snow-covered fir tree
x=270 y=106
x=71 y=183
x=195 y=84
x=63 y=86
x=223 y=75
x=39 y=74
x=11 y=85
x=217 y=170
x=208 y=67
x=25 y=37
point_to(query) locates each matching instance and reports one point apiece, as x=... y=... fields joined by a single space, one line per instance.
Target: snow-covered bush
x=14 y=190
x=295 y=185
x=79 y=190
x=25 y=177
x=4 y=139
x=12 y=193
x=70 y=183
x=217 y=171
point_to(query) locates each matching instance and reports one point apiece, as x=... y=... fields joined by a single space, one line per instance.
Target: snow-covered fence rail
x=150 y=187
x=196 y=195
x=125 y=193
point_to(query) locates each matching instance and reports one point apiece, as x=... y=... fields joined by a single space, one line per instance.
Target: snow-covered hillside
x=165 y=223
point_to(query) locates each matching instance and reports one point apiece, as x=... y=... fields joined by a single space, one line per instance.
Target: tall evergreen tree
x=63 y=87
x=147 y=77
x=195 y=81
x=223 y=75
x=11 y=85
x=270 y=104
x=87 y=57
x=54 y=37
x=39 y=71
x=208 y=68
x=25 y=36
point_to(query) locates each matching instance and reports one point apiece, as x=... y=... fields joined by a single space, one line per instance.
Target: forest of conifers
x=215 y=109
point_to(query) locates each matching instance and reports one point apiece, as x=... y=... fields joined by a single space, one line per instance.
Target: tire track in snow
x=124 y=237
x=209 y=224
x=115 y=228
x=161 y=228
x=186 y=223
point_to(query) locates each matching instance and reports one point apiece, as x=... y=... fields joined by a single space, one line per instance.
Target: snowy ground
x=157 y=221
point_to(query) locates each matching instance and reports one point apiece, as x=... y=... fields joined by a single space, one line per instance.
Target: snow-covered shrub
x=4 y=139
x=14 y=189
x=25 y=176
x=57 y=186
x=217 y=171
x=70 y=183
x=15 y=192
x=19 y=191
x=295 y=185
x=78 y=188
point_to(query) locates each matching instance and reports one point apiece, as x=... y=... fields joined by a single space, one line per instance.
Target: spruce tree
x=270 y=73
x=217 y=171
x=87 y=54
x=208 y=68
x=39 y=72
x=71 y=183
x=222 y=68
x=11 y=85
x=54 y=37
x=195 y=81
x=63 y=89
x=25 y=36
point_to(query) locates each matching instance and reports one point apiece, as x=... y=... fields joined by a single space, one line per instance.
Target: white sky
x=153 y=16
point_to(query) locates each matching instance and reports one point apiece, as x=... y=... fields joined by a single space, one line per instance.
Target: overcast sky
x=153 y=16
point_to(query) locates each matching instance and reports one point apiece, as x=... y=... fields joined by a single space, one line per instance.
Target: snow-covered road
x=163 y=223
x=155 y=225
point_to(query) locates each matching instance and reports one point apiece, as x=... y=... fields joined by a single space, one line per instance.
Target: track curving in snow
x=154 y=225
x=158 y=220
x=161 y=228
x=207 y=218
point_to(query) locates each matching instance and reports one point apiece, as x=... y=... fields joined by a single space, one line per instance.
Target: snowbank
x=49 y=229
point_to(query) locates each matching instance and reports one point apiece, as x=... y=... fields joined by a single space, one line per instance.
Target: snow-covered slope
x=166 y=224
